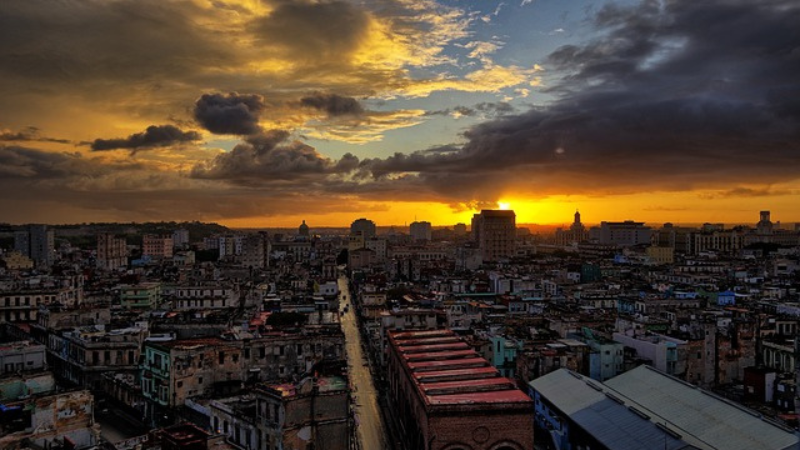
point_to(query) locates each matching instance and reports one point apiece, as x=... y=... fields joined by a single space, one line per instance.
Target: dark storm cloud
x=75 y=42
x=229 y=114
x=680 y=96
x=29 y=134
x=154 y=136
x=54 y=187
x=333 y=104
x=20 y=163
x=490 y=109
x=321 y=33
x=269 y=157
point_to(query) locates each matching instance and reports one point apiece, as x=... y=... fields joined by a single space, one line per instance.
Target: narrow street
x=369 y=423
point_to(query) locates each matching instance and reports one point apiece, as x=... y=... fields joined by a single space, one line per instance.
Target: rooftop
x=608 y=421
x=617 y=413
x=699 y=413
x=447 y=372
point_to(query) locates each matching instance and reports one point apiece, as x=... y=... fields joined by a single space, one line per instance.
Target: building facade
x=495 y=232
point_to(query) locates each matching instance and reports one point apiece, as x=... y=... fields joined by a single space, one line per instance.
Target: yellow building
x=661 y=255
x=17 y=261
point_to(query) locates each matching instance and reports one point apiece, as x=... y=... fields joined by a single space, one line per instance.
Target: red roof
x=439 y=365
x=447 y=371
x=459 y=345
x=482 y=384
x=456 y=374
x=428 y=341
x=421 y=334
x=439 y=356
x=499 y=397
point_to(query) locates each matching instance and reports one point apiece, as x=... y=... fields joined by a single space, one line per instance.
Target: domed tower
x=303 y=229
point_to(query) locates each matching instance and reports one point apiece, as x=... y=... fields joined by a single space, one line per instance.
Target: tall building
x=255 y=251
x=37 y=242
x=379 y=246
x=363 y=227
x=156 y=246
x=420 y=231
x=764 y=226
x=230 y=246
x=576 y=233
x=180 y=237
x=112 y=252
x=495 y=232
x=460 y=229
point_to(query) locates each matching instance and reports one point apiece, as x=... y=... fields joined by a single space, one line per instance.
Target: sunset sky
x=262 y=113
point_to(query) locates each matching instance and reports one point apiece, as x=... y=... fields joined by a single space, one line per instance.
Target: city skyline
x=267 y=113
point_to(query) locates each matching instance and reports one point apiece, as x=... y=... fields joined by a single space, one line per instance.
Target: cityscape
x=399 y=225
x=479 y=336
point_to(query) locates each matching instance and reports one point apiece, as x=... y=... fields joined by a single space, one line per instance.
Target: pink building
x=157 y=246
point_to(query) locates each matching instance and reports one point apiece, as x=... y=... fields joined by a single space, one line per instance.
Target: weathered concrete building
x=174 y=371
x=64 y=419
x=80 y=357
x=24 y=356
x=311 y=414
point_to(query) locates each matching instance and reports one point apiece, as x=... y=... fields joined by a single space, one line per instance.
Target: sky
x=264 y=113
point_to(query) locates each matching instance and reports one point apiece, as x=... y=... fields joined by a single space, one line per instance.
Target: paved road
x=369 y=424
x=115 y=426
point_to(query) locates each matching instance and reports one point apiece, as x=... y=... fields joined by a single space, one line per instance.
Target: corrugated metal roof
x=610 y=422
x=710 y=419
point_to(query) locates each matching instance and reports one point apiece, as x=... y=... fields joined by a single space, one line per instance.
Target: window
x=180 y=384
x=222 y=357
x=247 y=353
x=262 y=352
